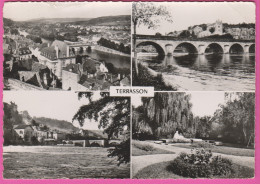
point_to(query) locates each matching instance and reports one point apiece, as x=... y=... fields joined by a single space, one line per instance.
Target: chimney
x=48 y=44
x=57 y=51
x=118 y=76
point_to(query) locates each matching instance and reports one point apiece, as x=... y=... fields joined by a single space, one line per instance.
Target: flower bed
x=200 y=164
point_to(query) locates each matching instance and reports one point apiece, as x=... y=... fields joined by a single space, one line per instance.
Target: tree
x=212 y=30
x=148 y=14
x=113 y=115
x=158 y=34
x=185 y=34
x=162 y=114
x=238 y=117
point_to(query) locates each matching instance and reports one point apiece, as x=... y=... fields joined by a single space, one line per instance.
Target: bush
x=200 y=164
x=145 y=147
x=202 y=145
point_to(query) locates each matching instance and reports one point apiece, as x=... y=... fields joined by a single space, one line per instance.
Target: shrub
x=145 y=147
x=202 y=145
x=200 y=164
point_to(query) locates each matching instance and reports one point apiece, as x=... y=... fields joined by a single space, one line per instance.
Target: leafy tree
x=185 y=34
x=113 y=115
x=164 y=113
x=149 y=15
x=238 y=117
x=212 y=30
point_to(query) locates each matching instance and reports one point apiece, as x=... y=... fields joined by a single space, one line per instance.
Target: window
x=21 y=132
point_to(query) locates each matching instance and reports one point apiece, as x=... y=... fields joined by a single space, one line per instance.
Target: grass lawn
x=35 y=162
x=160 y=171
x=225 y=150
x=139 y=149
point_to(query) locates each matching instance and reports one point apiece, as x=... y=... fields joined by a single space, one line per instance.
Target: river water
x=220 y=72
x=118 y=61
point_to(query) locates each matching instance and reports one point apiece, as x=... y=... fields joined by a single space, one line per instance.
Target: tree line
x=112 y=45
x=160 y=117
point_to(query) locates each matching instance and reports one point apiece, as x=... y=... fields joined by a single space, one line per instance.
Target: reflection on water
x=207 y=72
x=117 y=60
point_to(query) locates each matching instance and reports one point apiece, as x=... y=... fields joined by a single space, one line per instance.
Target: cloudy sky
x=61 y=105
x=203 y=103
x=20 y=11
x=185 y=14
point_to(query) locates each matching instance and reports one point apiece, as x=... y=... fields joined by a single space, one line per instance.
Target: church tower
x=218 y=27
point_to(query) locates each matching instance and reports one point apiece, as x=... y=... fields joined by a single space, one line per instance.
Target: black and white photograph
x=65 y=135
x=193 y=135
x=76 y=46
x=194 y=46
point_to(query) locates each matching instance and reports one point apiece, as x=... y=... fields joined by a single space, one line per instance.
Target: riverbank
x=148 y=77
x=111 y=51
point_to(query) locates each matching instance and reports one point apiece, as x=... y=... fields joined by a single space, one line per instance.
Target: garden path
x=140 y=162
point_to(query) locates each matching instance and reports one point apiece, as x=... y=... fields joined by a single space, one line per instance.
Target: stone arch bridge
x=168 y=45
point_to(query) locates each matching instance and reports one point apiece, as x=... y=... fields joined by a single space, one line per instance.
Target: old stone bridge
x=166 y=45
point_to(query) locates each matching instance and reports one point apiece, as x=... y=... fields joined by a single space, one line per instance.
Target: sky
x=203 y=103
x=185 y=14
x=61 y=105
x=20 y=11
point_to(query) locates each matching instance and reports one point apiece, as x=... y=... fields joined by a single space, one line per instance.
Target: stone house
x=25 y=132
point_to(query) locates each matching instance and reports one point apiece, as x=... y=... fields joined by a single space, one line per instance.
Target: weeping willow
x=163 y=114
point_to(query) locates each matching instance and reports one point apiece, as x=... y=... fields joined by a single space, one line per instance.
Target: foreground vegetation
x=32 y=162
x=161 y=171
x=249 y=152
x=165 y=113
x=144 y=78
x=139 y=149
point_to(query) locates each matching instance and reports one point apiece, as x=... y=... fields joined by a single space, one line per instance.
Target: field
x=51 y=162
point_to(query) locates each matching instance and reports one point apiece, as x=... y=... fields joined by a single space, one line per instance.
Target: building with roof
x=25 y=132
x=39 y=76
x=56 y=56
x=90 y=74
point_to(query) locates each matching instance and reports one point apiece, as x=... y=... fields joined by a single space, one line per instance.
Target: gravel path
x=140 y=162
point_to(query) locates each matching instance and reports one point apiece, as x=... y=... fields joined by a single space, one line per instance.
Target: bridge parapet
x=165 y=47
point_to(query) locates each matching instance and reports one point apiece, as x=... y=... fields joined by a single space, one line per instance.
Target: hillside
x=55 y=20
x=8 y=22
x=108 y=21
x=104 y=21
x=61 y=125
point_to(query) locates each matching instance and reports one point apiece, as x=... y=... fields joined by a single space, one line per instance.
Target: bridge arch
x=158 y=47
x=214 y=48
x=252 y=48
x=236 y=48
x=186 y=47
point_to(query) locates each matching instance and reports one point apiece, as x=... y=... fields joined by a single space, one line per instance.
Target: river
x=221 y=72
x=121 y=62
x=118 y=61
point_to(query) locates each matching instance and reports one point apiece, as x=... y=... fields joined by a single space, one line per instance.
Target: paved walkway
x=140 y=162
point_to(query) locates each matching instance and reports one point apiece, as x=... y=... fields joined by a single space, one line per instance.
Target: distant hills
x=61 y=125
x=108 y=21
x=105 y=21
x=55 y=20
